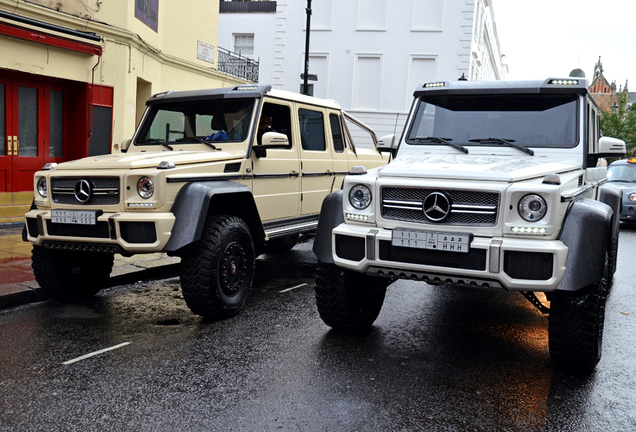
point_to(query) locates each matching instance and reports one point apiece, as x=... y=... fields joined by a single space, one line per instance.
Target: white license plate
x=431 y=240
x=76 y=217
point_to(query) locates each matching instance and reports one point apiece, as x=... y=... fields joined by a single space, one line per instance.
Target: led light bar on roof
x=434 y=84
x=245 y=87
x=564 y=82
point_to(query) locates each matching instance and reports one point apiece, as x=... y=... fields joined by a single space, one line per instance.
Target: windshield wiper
x=503 y=141
x=212 y=146
x=206 y=142
x=445 y=141
x=156 y=141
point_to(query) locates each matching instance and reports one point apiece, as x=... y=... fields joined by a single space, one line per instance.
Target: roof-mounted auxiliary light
x=563 y=82
x=245 y=87
x=434 y=84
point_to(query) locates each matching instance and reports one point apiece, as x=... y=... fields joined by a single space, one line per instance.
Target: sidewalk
x=18 y=285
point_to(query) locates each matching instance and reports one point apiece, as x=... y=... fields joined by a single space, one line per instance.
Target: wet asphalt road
x=435 y=360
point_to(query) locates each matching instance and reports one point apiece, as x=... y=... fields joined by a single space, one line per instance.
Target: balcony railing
x=236 y=65
x=247 y=6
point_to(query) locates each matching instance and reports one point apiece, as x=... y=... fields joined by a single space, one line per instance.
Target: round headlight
x=632 y=197
x=42 y=189
x=532 y=207
x=360 y=196
x=145 y=187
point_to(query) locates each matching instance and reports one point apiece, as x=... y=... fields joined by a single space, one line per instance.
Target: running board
x=296 y=227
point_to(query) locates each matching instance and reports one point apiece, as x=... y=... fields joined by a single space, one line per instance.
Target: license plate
x=75 y=217
x=431 y=240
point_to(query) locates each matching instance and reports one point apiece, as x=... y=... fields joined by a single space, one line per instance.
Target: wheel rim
x=232 y=269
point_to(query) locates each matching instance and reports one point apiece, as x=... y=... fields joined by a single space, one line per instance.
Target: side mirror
x=275 y=139
x=385 y=143
x=124 y=145
x=270 y=140
x=611 y=147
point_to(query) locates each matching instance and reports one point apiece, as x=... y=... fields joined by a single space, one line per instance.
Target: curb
x=25 y=294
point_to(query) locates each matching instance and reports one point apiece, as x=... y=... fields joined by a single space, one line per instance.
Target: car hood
x=467 y=167
x=148 y=160
x=625 y=186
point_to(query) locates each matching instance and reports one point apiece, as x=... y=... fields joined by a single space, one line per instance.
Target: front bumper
x=503 y=262
x=125 y=233
x=628 y=211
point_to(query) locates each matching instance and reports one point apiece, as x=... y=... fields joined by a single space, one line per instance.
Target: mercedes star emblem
x=83 y=190
x=436 y=206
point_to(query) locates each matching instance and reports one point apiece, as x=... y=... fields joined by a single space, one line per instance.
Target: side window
x=312 y=130
x=336 y=133
x=275 y=118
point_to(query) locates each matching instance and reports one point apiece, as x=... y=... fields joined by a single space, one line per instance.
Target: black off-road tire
x=348 y=301
x=576 y=327
x=282 y=244
x=217 y=273
x=69 y=275
x=613 y=258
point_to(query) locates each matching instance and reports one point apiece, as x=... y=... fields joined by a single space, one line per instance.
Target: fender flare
x=613 y=197
x=331 y=216
x=586 y=232
x=192 y=205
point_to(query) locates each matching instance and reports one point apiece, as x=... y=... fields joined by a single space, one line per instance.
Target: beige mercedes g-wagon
x=212 y=176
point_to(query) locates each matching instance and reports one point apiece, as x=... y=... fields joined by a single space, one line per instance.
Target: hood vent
x=232 y=167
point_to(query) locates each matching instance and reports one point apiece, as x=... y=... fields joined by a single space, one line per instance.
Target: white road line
x=292 y=288
x=84 y=357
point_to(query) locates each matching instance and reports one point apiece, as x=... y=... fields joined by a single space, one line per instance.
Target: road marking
x=292 y=288
x=84 y=357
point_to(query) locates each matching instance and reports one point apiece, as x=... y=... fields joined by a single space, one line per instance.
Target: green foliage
x=621 y=123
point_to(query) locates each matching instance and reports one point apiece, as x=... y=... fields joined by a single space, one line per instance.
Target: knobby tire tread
x=199 y=270
x=348 y=301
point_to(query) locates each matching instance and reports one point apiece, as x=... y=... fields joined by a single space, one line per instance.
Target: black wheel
x=66 y=275
x=612 y=257
x=576 y=327
x=216 y=275
x=348 y=301
x=282 y=244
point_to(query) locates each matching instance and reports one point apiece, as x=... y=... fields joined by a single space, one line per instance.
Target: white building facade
x=370 y=55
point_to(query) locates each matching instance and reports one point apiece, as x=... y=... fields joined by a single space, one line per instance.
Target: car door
x=316 y=158
x=276 y=177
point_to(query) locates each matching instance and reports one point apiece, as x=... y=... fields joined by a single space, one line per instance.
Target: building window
x=244 y=45
x=367 y=82
x=372 y=15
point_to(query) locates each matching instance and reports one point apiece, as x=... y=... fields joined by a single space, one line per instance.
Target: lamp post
x=306 y=74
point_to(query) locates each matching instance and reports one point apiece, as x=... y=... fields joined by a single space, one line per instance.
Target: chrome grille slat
x=473 y=208
x=105 y=191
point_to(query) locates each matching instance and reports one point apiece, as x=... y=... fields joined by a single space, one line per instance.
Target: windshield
x=622 y=173
x=512 y=120
x=194 y=122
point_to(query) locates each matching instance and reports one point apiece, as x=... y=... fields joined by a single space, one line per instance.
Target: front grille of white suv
x=473 y=208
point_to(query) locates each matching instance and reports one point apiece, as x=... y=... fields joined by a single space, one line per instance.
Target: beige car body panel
x=288 y=185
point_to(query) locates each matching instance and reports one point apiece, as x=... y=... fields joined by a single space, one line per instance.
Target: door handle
x=16 y=145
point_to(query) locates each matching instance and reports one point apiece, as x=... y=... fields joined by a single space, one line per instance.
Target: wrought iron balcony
x=247 y=6
x=236 y=65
